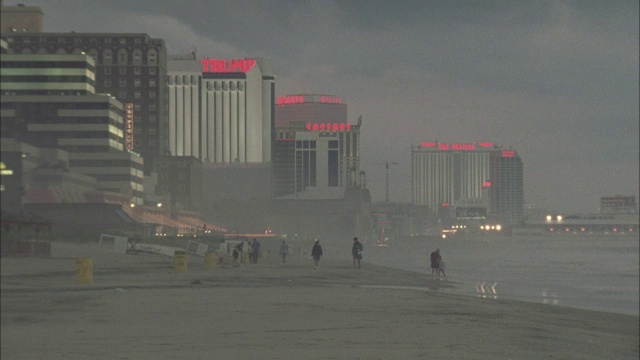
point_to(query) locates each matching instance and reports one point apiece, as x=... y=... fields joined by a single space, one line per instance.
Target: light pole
x=386 y=194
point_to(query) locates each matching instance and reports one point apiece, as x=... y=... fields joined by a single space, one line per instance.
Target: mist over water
x=588 y=272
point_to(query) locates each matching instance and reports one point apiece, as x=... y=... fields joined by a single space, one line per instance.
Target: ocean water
x=588 y=272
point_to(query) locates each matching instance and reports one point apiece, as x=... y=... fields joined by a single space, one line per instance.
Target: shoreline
x=140 y=308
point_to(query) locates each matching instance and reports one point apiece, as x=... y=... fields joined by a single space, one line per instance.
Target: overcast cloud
x=557 y=80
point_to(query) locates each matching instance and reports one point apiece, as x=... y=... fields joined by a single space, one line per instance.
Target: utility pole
x=386 y=166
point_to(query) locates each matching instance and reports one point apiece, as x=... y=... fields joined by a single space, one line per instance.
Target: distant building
x=317 y=150
x=618 y=205
x=309 y=109
x=48 y=101
x=130 y=67
x=448 y=174
x=180 y=177
x=21 y=18
x=221 y=112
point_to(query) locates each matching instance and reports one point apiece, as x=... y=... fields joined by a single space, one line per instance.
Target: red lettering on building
x=486 y=184
x=291 y=99
x=328 y=126
x=330 y=100
x=128 y=135
x=508 y=153
x=485 y=144
x=227 y=66
x=428 y=144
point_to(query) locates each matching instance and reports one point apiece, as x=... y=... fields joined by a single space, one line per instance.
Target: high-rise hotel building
x=448 y=173
x=130 y=67
x=317 y=151
x=221 y=110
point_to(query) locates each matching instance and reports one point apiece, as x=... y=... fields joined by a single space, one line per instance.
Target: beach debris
x=196 y=282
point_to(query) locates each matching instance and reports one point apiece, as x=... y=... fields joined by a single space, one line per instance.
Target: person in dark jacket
x=316 y=253
x=435 y=262
x=356 y=252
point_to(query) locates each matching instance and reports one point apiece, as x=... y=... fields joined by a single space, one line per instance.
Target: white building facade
x=221 y=111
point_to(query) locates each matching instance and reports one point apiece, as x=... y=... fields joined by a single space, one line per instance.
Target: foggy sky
x=557 y=81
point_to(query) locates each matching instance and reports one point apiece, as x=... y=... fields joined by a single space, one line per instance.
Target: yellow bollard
x=210 y=260
x=84 y=271
x=180 y=261
x=245 y=257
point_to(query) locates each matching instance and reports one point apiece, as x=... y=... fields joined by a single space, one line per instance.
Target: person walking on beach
x=284 y=251
x=435 y=262
x=441 y=270
x=237 y=253
x=316 y=253
x=255 y=251
x=356 y=252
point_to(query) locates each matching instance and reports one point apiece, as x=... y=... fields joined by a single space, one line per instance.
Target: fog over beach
x=139 y=307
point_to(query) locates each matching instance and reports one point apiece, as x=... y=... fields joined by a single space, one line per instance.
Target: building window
x=152 y=94
x=136 y=70
x=123 y=41
x=77 y=41
x=152 y=106
x=333 y=164
x=107 y=56
x=61 y=51
x=93 y=41
x=136 y=94
x=61 y=40
x=107 y=70
x=122 y=57
x=152 y=57
x=152 y=70
x=122 y=95
x=305 y=164
x=137 y=57
x=107 y=82
x=123 y=70
x=123 y=82
x=152 y=83
x=153 y=142
x=107 y=40
x=152 y=130
x=136 y=107
x=153 y=118
x=137 y=82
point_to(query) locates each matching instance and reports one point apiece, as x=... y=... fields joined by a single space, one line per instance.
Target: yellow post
x=180 y=261
x=84 y=271
x=245 y=257
x=210 y=260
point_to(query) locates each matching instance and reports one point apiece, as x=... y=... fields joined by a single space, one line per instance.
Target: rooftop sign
x=227 y=66
x=456 y=146
x=301 y=99
x=328 y=127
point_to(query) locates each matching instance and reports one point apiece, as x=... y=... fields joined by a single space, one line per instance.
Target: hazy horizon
x=557 y=80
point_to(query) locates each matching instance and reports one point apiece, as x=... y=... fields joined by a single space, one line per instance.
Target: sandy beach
x=139 y=307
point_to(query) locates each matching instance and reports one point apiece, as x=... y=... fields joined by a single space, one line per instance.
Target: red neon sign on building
x=227 y=66
x=128 y=135
x=508 y=153
x=291 y=99
x=328 y=126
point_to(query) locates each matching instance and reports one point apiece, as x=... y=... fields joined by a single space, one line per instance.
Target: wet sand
x=139 y=307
